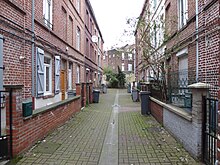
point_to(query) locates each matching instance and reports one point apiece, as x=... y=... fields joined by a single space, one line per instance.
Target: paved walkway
x=108 y=133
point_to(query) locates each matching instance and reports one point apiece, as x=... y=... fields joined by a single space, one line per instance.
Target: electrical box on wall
x=27 y=108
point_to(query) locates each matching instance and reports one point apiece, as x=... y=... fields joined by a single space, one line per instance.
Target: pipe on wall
x=32 y=51
x=197 y=41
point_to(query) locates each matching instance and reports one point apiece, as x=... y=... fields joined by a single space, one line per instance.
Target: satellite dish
x=94 y=39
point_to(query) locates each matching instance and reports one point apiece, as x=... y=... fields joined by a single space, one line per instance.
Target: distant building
x=123 y=58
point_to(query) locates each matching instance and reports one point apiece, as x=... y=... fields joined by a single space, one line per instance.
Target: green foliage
x=115 y=80
x=121 y=78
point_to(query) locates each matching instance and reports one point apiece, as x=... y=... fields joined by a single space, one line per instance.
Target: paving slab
x=112 y=130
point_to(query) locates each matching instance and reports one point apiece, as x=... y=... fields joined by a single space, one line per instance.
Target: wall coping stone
x=13 y=86
x=44 y=109
x=199 y=85
x=178 y=111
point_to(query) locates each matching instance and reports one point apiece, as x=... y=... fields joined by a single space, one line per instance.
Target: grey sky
x=111 y=16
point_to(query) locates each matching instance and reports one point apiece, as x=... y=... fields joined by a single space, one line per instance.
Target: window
x=129 y=56
x=122 y=56
x=78 y=6
x=87 y=18
x=183 y=12
x=91 y=24
x=64 y=23
x=155 y=4
x=87 y=47
x=78 y=38
x=99 y=61
x=57 y=74
x=47 y=75
x=122 y=67
x=78 y=74
x=70 y=79
x=129 y=67
x=183 y=67
x=47 y=13
x=71 y=30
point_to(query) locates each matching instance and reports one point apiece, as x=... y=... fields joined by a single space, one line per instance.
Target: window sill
x=47 y=96
x=178 y=111
x=38 y=111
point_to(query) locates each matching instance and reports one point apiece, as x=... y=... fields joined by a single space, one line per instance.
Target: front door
x=63 y=84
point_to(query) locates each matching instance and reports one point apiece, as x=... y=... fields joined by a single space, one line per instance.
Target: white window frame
x=78 y=5
x=70 y=76
x=78 y=38
x=50 y=76
x=183 y=12
x=122 y=56
x=130 y=56
x=130 y=67
x=122 y=67
x=48 y=12
x=78 y=74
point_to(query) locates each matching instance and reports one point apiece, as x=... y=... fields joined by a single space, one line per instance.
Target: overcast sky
x=111 y=16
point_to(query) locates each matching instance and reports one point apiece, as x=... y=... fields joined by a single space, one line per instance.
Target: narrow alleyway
x=109 y=133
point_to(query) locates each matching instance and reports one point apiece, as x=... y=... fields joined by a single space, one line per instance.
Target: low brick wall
x=26 y=132
x=156 y=111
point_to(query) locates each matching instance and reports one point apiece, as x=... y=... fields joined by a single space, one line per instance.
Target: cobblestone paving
x=80 y=141
x=143 y=141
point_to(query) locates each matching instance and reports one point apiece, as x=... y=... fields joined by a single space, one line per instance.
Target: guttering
x=197 y=41
x=32 y=52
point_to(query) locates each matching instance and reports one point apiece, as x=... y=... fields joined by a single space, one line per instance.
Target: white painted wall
x=40 y=102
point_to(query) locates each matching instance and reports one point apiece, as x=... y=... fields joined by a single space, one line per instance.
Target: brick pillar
x=90 y=93
x=78 y=89
x=17 y=118
x=199 y=90
x=83 y=94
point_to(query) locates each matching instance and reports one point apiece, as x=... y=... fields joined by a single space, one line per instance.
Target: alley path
x=109 y=133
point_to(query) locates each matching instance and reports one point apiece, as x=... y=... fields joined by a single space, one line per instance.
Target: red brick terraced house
x=124 y=58
x=191 y=64
x=46 y=48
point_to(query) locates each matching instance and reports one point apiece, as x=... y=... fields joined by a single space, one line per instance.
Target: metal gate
x=5 y=122
x=210 y=130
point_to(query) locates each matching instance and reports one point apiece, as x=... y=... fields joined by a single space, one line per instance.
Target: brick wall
x=156 y=111
x=29 y=131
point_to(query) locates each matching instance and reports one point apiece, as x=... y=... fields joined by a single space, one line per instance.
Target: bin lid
x=144 y=92
x=95 y=90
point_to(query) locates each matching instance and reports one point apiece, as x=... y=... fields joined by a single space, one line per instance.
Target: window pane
x=47 y=79
x=46 y=60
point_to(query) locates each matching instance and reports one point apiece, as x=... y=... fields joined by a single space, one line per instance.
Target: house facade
x=124 y=58
x=60 y=56
x=46 y=48
x=189 y=55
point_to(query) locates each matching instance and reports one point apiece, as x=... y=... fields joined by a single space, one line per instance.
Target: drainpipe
x=32 y=52
x=197 y=41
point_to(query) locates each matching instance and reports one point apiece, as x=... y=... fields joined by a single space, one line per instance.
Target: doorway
x=63 y=84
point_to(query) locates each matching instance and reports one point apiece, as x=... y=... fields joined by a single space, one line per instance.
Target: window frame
x=123 y=67
x=70 y=76
x=78 y=6
x=48 y=13
x=78 y=74
x=78 y=38
x=130 y=67
x=49 y=92
x=183 y=12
